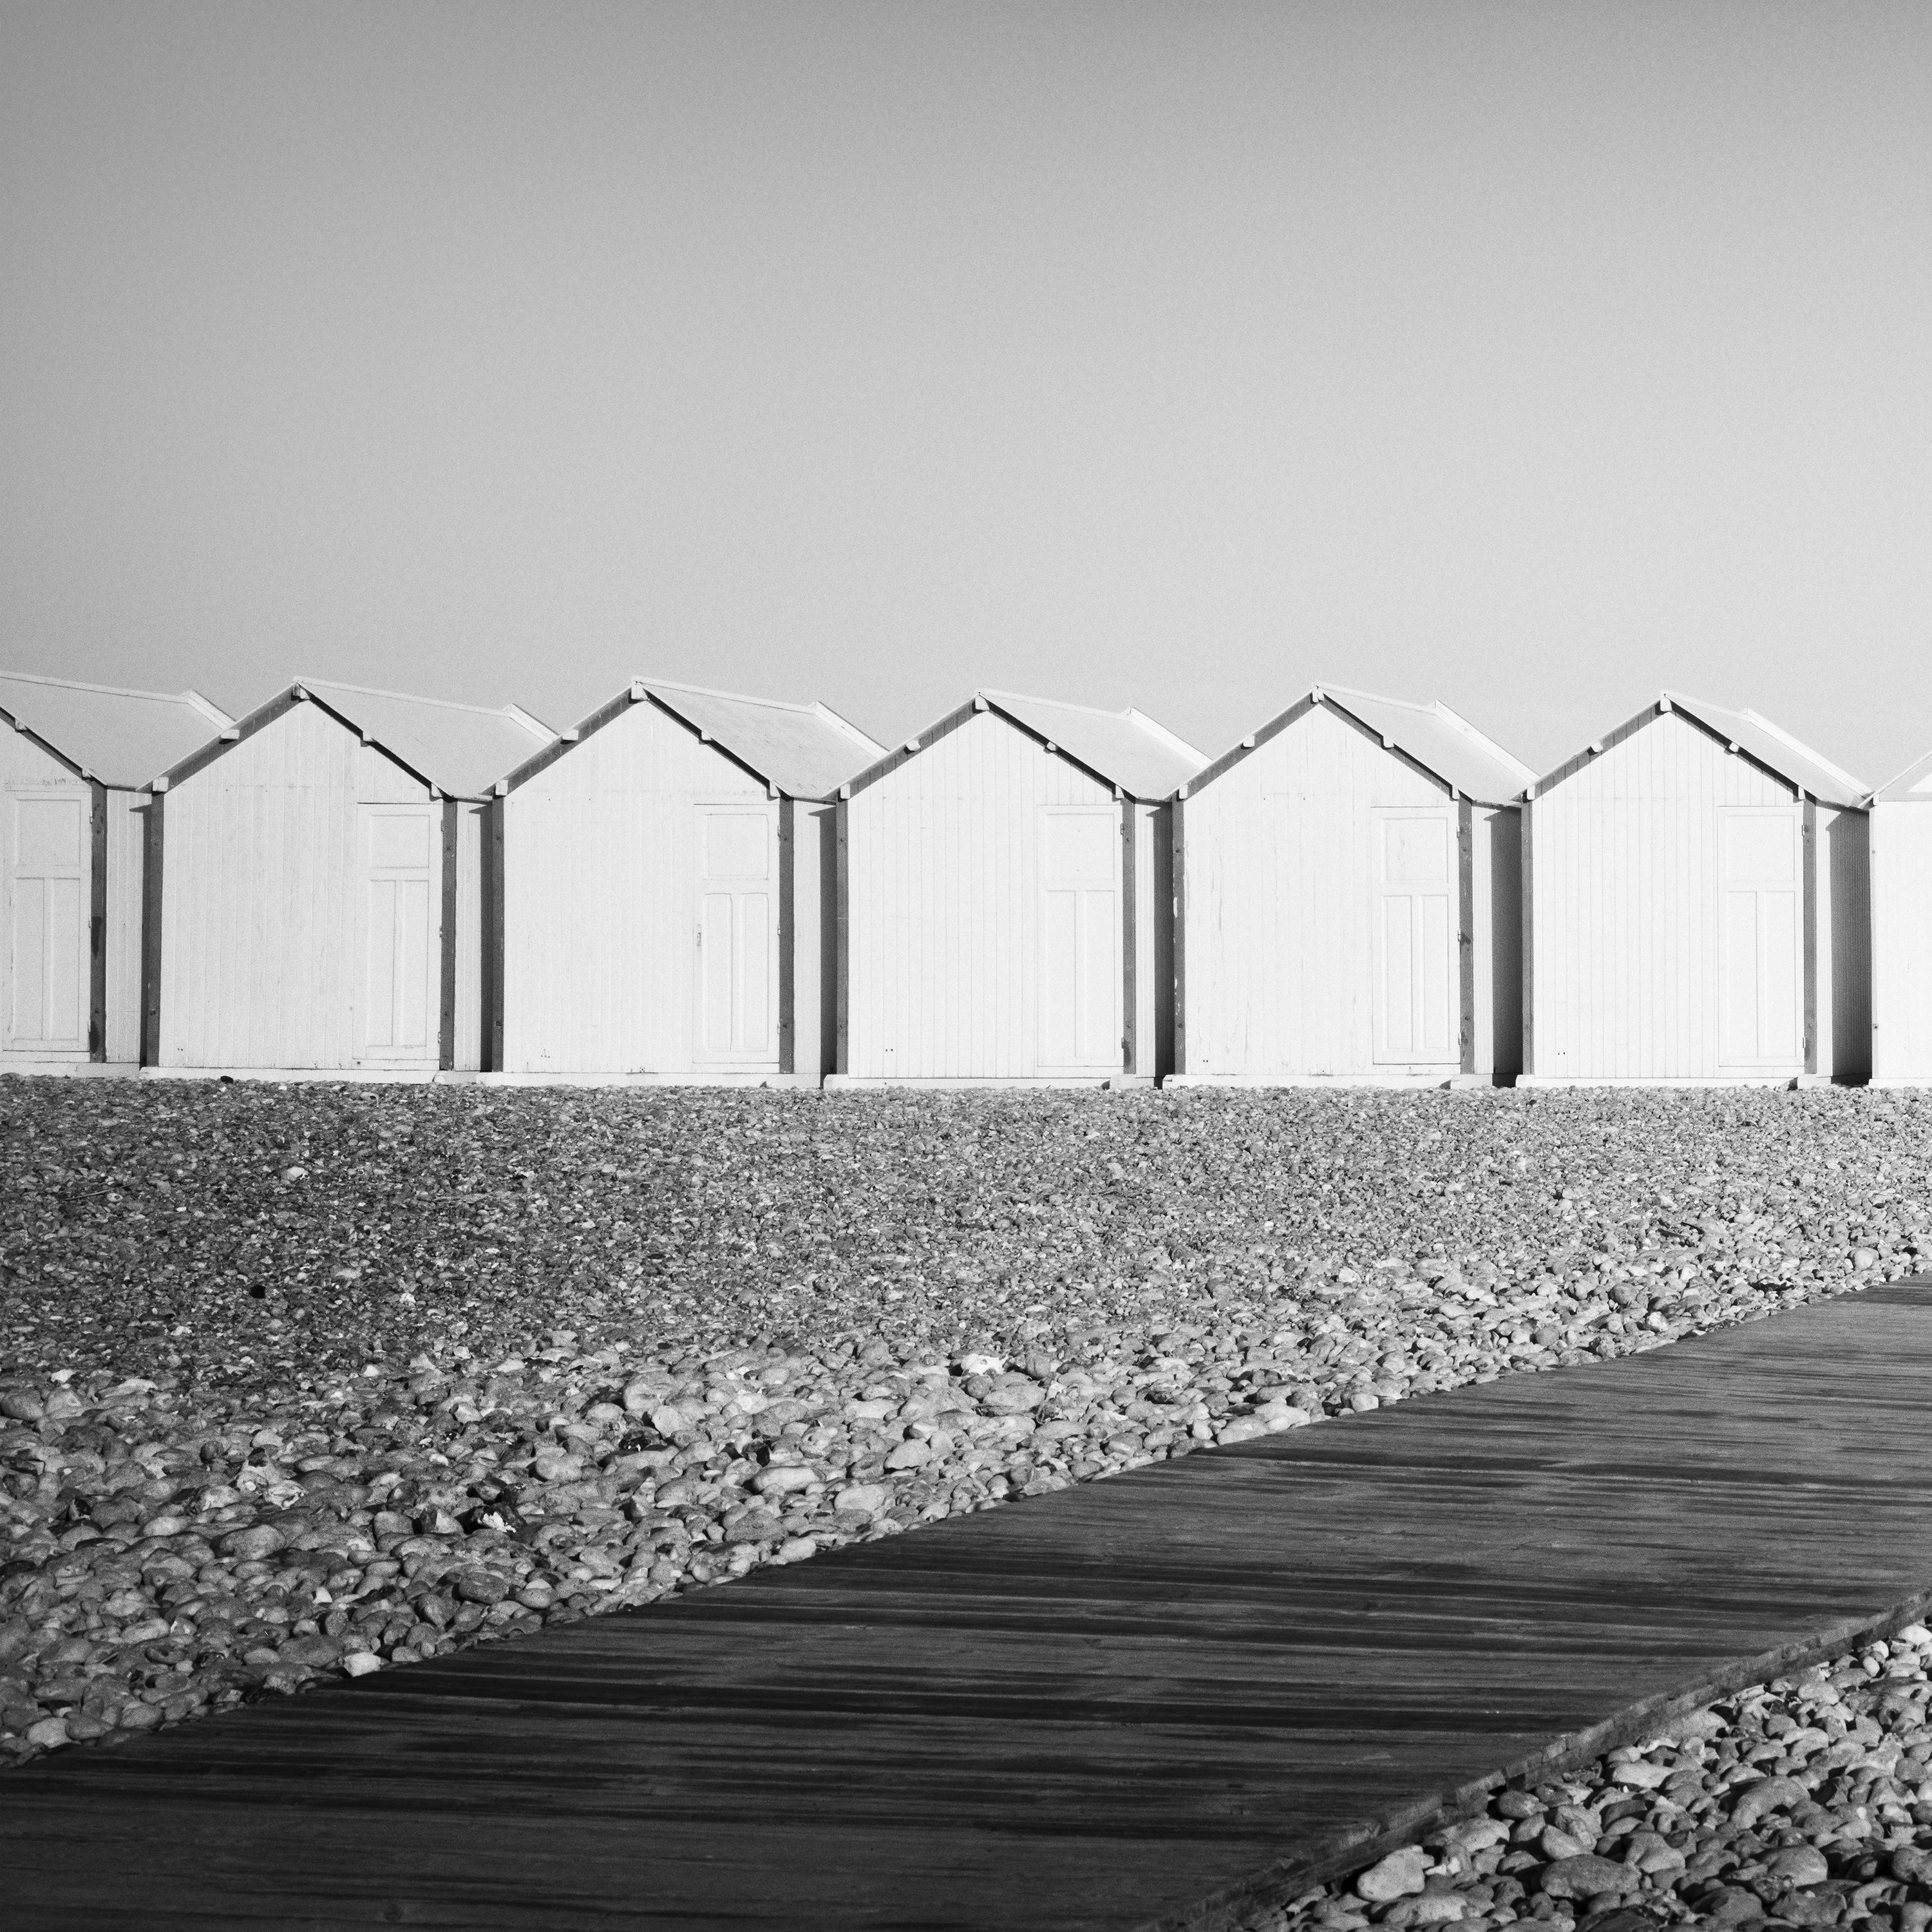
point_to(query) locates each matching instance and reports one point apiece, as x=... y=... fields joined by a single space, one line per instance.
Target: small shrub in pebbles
x=1805 y=1801
x=304 y=1382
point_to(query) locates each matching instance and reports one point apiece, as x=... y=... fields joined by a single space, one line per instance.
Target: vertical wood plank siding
x=1277 y=903
x=942 y=868
x=1625 y=893
x=263 y=905
x=27 y=769
x=600 y=899
x=1901 y=951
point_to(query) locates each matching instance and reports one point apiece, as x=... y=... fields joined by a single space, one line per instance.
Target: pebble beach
x=309 y=1381
x=1805 y=1801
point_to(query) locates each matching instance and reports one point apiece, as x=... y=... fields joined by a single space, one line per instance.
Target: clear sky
x=1532 y=357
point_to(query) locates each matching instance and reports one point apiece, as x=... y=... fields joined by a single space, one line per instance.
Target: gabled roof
x=807 y=751
x=122 y=738
x=1443 y=743
x=1913 y=784
x=462 y=749
x=1125 y=747
x=1753 y=735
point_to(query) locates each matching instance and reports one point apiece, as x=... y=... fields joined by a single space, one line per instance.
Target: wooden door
x=47 y=851
x=1761 y=988
x=1417 y=986
x=400 y=1004
x=1080 y=973
x=735 y=1023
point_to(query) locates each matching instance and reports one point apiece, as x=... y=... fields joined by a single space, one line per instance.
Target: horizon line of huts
x=693 y=885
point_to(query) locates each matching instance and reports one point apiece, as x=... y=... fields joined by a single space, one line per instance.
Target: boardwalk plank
x=1100 y=1710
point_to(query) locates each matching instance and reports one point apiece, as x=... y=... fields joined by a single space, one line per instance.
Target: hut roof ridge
x=121 y=736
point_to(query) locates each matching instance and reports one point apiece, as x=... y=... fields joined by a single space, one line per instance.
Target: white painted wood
x=1761 y=975
x=736 y=1020
x=601 y=887
x=46 y=885
x=1289 y=905
x=403 y=930
x=266 y=922
x=43 y=951
x=1901 y=928
x=1626 y=905
x=1080 y=925
x=949 y=877
x=1414 y=962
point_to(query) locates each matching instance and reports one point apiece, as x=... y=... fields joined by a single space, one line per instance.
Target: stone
x=1394 y=1876
x=863 y=1499
x=1585 y=1875
x=1557 y=1843
x=784 y=1479
x=1767 y=1795
x=252 y=1544
x=755 y=1526
x=481 y=1586
x=49 y=1734
x=1427 y=1908
x=359 y=1664
x=1798 y=1865
x=1913 y=1864
x=1014 y=1397
x=1620 y=1919
x=1244 y=1428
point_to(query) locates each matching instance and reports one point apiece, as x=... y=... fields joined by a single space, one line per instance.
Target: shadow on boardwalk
x=1110 y=1707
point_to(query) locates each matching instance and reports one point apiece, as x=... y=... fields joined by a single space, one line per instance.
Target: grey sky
x=1531 y=357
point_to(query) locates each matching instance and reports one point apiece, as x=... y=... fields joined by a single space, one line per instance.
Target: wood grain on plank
x=1131 y=1704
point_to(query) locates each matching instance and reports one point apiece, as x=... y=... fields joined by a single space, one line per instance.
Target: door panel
x=1080 y=939
x=403 y=935
x=737 y=1017
x=1414 y=965
x=1761 y=967
x=46 y=894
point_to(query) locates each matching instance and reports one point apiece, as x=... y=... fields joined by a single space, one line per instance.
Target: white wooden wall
x=47 y=873
x=600 y=912
x=1280 y=959
x=1901 y=930
x=948 y=862
x=267 y=885
x=1627 y=910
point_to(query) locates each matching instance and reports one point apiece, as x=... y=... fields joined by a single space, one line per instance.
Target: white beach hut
x=74 y=761
x=1695 y=900
x=1901 y=928
x=666 y=870
x=315 y=886
x=1346 y=882
x=1002 y=882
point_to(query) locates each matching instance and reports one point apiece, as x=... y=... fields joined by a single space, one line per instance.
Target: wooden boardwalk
x=1128 y=1705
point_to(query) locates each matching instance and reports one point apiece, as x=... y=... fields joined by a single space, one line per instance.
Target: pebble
x=1806 y=1801
x=774 y=1325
